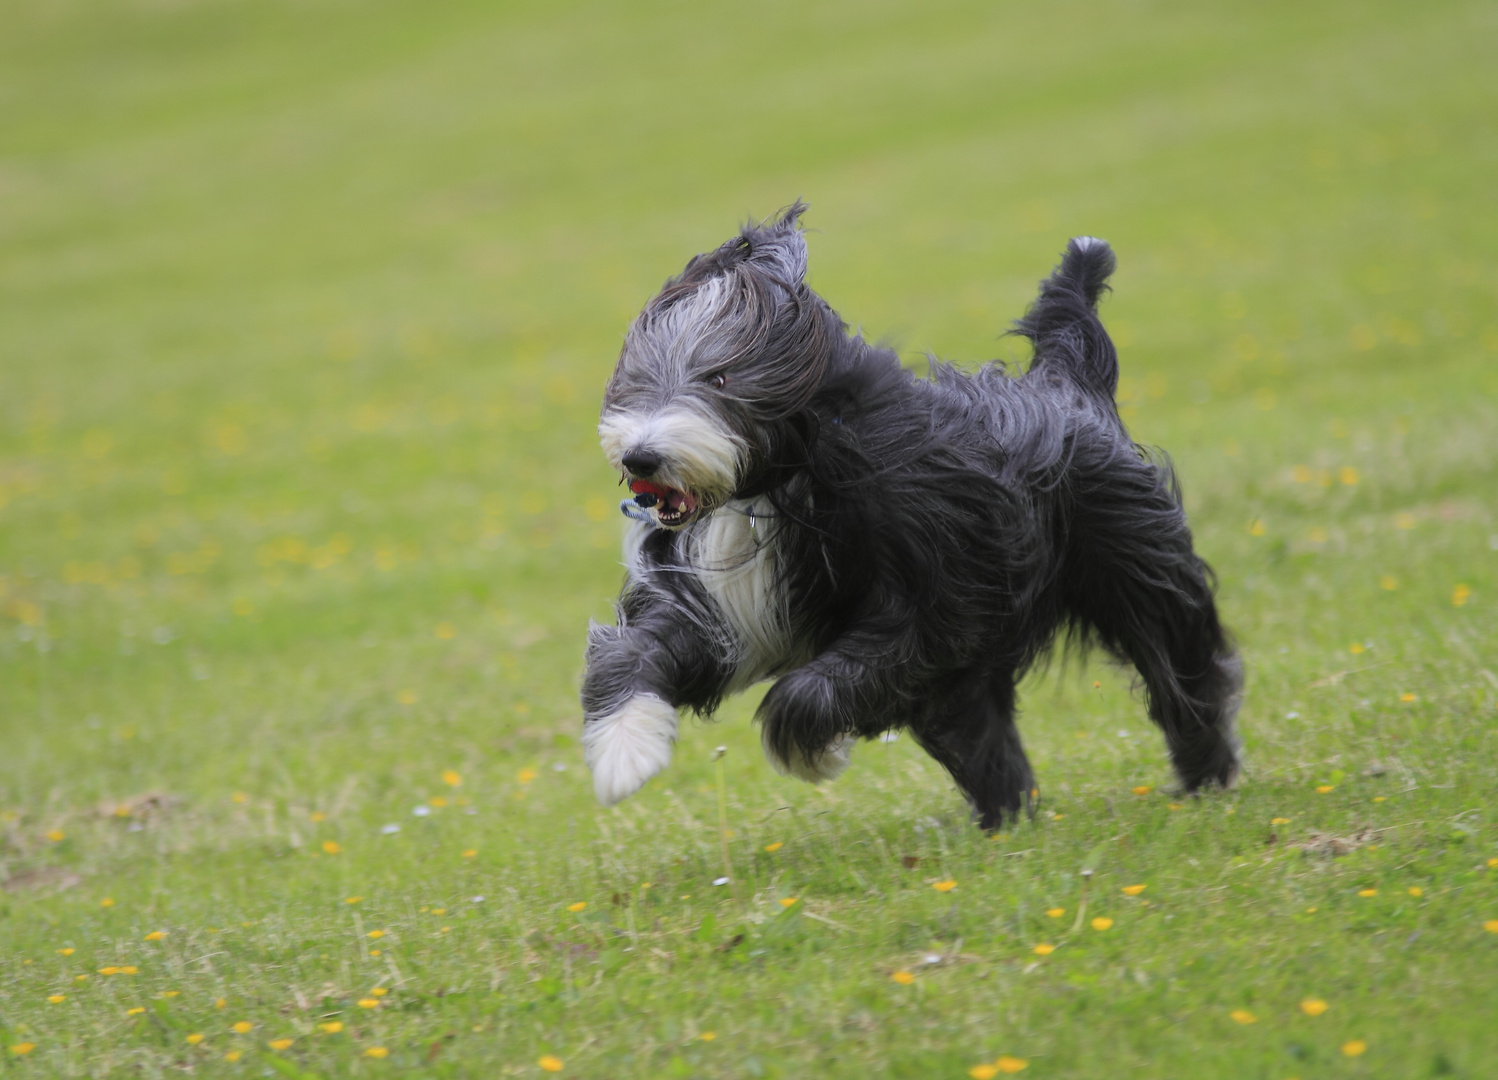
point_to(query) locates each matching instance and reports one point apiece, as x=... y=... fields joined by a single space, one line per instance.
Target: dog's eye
x=719 y=381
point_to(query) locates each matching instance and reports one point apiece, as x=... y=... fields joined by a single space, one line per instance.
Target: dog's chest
x=733 y=556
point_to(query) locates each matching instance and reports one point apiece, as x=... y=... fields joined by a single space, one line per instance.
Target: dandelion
x=708 y=1036
x=232 y=1055
x=525 y=776
x=332 y=1027
x=1258 y=528
x=451 y=778
x=406 y=697
x=1416 y=891
x=446 y=631
x=155 y=935
x=944 y=886
x=1367 y=893
x=1313 y=1006
x=1310 y=911
x=1404 y=520
x=375 y=935
x=983 y=1072
x=1055 y=912
x=1279 y=821
x=1493 y=864
x=106 y=902
x=22 y=1049
x=240 y=797
x=1459 y=596
x=1134 y=890
x=1043 y=949
x=1407 y=698
x=379 y=991
x=1007 y=1064
x=57 y=836
x=80 y=978
x=1355 y=648
x=1102 y=922
x=331 y=847
x=1388 y=582
x=109 y=971
x=65 y=952
x=1243 y=1016
x=550 y=1063
x=438 y=801
x=195 y=1038
x=136 y=1011
x=1176 y=806
x=1354 y=1047
x=1348 y=475
x=1380 y=798
x=903 y=977
x=129 y=969
x=220 y=1003
x=280 y=1044
x=788 y=901
x=1143 y=789
x=369 y=1003
x=57 y=999
x=1325 y=789
x=470 y=853
x=376 y=1052
x=352 y=899
x=1491 y=926
x=243 y=1027
x=374 y=952
x=776 y=846
x=316 y=816
x=439 y=911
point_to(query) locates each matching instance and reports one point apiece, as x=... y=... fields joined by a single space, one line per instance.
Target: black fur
x=932 y=536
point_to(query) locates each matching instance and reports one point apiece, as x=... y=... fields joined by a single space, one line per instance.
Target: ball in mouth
x=672 y=506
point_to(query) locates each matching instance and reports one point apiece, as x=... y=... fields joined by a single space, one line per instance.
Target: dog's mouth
x=672 y=507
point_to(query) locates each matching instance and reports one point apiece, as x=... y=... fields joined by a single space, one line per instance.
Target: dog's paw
x=629 y=746
x=827 y=765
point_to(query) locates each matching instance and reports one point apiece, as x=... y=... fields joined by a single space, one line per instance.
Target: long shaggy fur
x=894 y=551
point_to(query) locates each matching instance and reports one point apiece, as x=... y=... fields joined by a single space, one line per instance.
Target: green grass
x=305 y=309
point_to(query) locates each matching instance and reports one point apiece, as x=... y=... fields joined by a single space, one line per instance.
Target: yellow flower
x=1493 y=864
x=1347 y=474
x=788 y=901
x=983 y=1072
x=244 y=1027
x=525 y=777
x=708 y=1036
x=1243 y=1016
x=451 y=778
x=58 y=999
x=1134 y=890
x=375 y=934
x=776 y=846
x=1355 y=648
x=438 y=801
x=1143 y=789
x=22 y=1049
x=944 y=886
x=232 y=1055
x=1310 y=911
x=470 y=853
x=374 y=952
x=80 y=978
x=376 y=1052
x=65 y=952
x=1354 y=1047
x=331 y=847
x=109 y=971
x=135 y=1011
x=1415 y=890
x=550 y=1063
x=904 y=978
x=579 y=906
x=1044 y=949
x=129 y=969
x=155 y=935
x=1459 y=596
x=1406 y=698
x=240 y=797
x=446 y=631
x=379 y=991
x=317 y=815
x=195 y=1038
x=57 y=836
x=332 y=1027
x=1366 y=893
x=1007 y=1064
x=406 y=697
x=1102 y=922
x=1176 y=806
x=1055 y=912
x=1325 y=789
x=1491 y=926
x=353 y=899
x=1380 y=798
x=439 y=911
x=280 y=1044
x=219 y=1003
x=369 y=1003
x=1313 y=1006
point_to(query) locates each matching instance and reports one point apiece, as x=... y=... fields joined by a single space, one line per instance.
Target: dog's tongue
x=645 y=487
x=648 y=494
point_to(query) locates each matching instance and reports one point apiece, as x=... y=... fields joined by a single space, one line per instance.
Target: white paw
x=829 y=765
x=629 y=746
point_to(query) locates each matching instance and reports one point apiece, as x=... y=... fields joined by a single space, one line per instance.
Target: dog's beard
x=701 y=460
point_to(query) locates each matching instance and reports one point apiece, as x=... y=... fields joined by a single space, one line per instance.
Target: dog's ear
x=777 y=246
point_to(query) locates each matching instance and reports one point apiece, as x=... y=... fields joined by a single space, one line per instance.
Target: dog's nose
x=642 y=462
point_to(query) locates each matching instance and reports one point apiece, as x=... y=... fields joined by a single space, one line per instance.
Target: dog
x=894 y=551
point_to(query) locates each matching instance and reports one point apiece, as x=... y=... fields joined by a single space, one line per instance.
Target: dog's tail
x=1062 y=324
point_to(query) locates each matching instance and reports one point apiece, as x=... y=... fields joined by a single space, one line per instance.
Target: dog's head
x=714 y=373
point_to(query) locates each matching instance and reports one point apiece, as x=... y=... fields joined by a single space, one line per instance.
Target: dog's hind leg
x=1137 y=582
x=979 y=744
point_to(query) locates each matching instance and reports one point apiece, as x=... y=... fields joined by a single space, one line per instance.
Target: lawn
x=305 y=313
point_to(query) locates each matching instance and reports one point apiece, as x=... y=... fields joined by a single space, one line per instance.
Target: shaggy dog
x=894 y=551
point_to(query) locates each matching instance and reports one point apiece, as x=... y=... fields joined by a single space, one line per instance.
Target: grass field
x=305 y=311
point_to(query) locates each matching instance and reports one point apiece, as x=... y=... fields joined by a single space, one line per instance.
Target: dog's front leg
x=661 y=656
x=810 y=717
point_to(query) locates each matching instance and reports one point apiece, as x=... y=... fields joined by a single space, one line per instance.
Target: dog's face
x=713 y=371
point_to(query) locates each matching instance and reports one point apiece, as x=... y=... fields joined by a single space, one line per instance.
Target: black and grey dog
x=895 y=551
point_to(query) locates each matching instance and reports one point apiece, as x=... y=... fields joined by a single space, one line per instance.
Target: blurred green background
x=305 y=313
